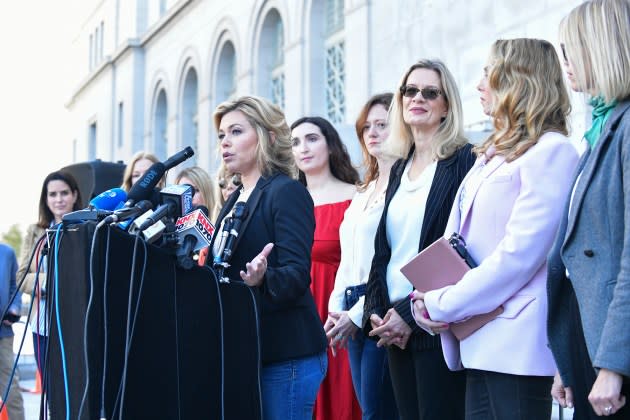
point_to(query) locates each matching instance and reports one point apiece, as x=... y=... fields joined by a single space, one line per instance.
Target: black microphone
x=127 y=213
x=178 y=158
x=176 y=199
x=143 y=188
x=239 y=214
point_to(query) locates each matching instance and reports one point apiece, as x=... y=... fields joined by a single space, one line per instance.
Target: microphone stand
x=169 y=236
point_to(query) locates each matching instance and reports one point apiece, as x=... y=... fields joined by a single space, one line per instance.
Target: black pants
x=584 y=374
x=499 y=396
x=424 y=388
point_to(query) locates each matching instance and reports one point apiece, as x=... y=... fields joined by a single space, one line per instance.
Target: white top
x=356 y=235
x=404 y=225
x=38 y=320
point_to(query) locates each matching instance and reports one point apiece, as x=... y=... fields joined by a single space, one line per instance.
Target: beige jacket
x=33 y=233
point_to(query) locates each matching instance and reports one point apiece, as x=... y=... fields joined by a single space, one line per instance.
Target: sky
x=35 y=41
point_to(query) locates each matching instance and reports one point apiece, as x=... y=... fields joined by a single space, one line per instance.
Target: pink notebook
x=440 y=265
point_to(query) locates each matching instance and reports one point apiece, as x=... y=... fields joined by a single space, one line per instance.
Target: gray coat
x=593 y=243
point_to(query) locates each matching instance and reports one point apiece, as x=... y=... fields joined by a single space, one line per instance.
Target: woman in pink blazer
x=508 y=208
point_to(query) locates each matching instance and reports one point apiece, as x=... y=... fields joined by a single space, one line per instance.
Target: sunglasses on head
x=564 y=53
x=429 y=93
x=223 y=183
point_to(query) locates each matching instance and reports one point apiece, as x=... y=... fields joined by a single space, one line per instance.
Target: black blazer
x=449 y=173
x=280 y=211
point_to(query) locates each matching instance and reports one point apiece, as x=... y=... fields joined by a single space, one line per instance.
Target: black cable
x=179 y=405
x=54 y=304
x=49 y=299
x=105 y=280
x=222 y=344
x=5 y=396
x=258 y=344
x=129 y=335
x=86 y=324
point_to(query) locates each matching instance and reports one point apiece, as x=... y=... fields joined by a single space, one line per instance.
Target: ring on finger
x=608 y=410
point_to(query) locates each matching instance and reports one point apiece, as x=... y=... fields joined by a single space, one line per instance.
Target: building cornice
x=128 y=45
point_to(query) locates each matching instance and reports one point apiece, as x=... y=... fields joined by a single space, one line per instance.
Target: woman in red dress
x=328 y=174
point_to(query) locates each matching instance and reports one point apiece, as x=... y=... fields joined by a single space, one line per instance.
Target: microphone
x=127 y=212
x=194 y=231
x=143 y=188
x=176 y=199
x=152 y=233
x=99 y=207
x=239 y=214
x=178 y=158
x=227 y=225
x=108 y=200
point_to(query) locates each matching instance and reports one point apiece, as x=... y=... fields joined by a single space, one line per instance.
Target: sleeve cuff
x=404 y=310
x=356 y=312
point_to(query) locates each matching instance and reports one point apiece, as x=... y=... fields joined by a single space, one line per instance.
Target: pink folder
x=440 y=265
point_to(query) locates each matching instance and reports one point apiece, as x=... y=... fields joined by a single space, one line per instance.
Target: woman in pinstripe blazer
x=426 y=131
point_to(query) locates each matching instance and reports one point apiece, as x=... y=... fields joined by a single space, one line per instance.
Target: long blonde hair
x=126 y=184
x=272 y=154
x=449 y=136
x=205 y=184
x=596 y=37
x=528 y=95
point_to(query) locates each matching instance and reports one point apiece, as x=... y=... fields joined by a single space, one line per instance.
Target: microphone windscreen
x=142 y=189
x=109 y=200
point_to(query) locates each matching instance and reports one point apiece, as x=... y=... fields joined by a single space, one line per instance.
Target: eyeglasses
x=564 y=53
x=429 y=93
x=223 y=184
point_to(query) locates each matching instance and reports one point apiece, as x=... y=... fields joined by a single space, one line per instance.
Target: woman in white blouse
x=368 y=363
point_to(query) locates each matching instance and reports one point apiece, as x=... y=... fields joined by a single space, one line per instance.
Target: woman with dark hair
x=327 y=172
x=59 y=195
x=368 y=362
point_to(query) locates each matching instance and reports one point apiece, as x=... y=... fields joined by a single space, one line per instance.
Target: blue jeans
x=289 y=388
x=369 y=369
x=370 y=377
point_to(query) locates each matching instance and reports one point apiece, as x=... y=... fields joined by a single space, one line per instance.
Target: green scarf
x=601 y=112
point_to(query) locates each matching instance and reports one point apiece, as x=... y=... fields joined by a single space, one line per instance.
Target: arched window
x=271 y=59
x=189 y=112
x=226 y=73
x=335 y=61
x=160 y=115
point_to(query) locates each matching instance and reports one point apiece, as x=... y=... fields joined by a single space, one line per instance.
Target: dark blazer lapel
x=590 y=164
x=444 y=173
x=252 y=203
x=227 y=207
x=253 y=200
